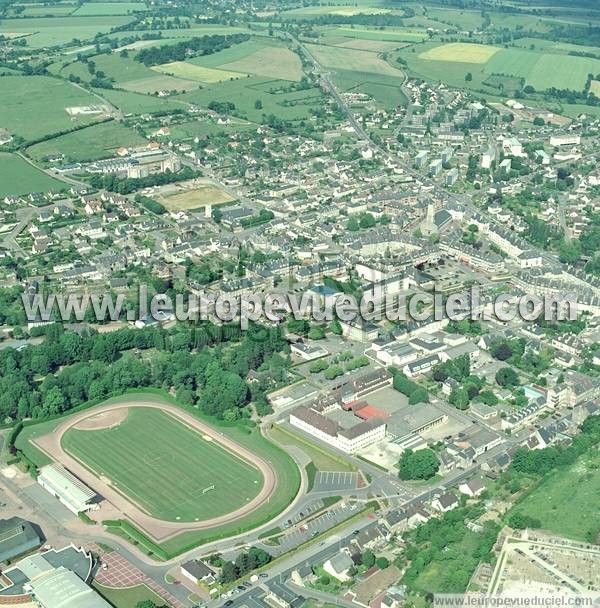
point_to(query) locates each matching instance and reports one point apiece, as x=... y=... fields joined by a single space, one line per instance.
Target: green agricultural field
x=35 y=106
x=52 y=10
x=360 y=61
x=377 y=46
x=271 y=61
x=197 y=73
x=566 y=502
x=93 y=143
x=54 y=31
x=162 y=82
x=389 y=34
x=465 y=20
x=386 y=90
x=122 y=69
x=109 y=8
x=544 y=70
x=244 y=92
x=259 y=56
x=541 y=69
x=136 y=103
x=346 y=11
x=181 y=477
x=460 y=52
x=17 y=176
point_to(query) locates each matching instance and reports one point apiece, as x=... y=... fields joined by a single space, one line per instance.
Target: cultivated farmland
x=189 y=71
x=184 y=476
x=53 y=31
x=256 y=57
x=461 y=52
x=351 y=59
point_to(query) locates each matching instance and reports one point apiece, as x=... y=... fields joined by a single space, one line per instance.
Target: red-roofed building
x=369 y=411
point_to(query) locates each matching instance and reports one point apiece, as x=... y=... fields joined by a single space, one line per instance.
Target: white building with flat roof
x=69 y=490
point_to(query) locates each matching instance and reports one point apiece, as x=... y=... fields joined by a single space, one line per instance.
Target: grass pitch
x=166 y=467
x=461 y=52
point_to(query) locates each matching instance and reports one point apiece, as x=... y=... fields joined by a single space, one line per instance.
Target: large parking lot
x=335 y=480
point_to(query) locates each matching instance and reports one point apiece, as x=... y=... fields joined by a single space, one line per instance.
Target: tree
x=258 y=104
x=382 y=562
x=569 y=251
x=422 y=464
x=318 y=366
x=352 y=225
x=368 y=559
x=459 y=398
x=468 y=77
x=507 y=377
x=521 y=521
x=538 y=121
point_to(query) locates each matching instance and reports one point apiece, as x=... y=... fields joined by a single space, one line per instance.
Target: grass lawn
x=17 y=176
x=198 y=73
x=92 y=143
x=566 y=502
x=128 y=597
x=33 y=106
x=166 y=466
x=461 y=52
x=322 y=459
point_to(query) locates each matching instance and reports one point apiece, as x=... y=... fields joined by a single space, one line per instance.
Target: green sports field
x=181 y=477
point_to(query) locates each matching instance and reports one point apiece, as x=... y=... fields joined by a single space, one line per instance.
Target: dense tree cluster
x=205 y=45
x=422 y=464
x=126 y=185
x=540 y=462
x=441 y=541
x=245 y=562
x=414 y=392
x=205 y=365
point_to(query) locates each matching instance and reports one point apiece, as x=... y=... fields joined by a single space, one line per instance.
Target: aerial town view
x=299 y=303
